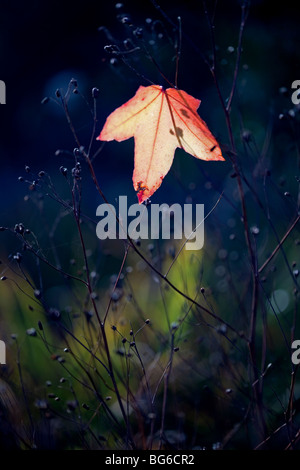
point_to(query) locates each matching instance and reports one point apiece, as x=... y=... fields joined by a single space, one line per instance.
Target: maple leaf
x=160 y=121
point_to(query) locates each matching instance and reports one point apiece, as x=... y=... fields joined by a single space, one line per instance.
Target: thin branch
x=238 y=57
x=277 y=248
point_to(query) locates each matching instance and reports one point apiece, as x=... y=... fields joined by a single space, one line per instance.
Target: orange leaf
x=160 y=121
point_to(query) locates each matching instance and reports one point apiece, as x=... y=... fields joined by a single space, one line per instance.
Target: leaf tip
x=141 y=197
x=101 y=136
x=143 y=192
x=215 y=153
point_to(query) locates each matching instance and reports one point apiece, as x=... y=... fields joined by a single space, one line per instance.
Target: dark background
x=44 y=44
